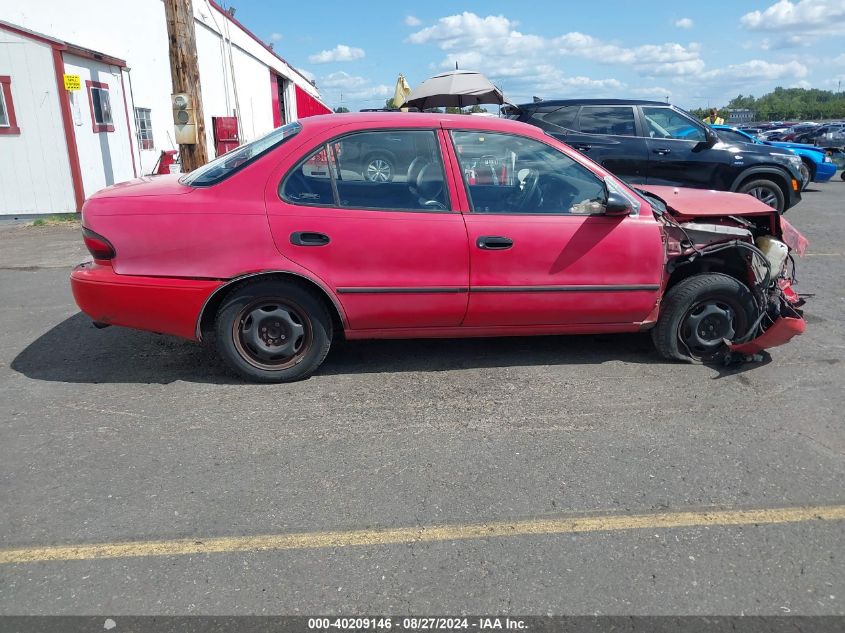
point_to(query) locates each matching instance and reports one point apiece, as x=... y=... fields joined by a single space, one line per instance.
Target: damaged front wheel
x=699 y=314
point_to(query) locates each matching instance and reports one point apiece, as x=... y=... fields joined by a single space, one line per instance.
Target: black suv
x=651 y=142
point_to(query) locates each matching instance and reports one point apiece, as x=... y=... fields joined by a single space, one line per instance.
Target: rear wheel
x=273 y=331
x=699 y=314
x=765 y=191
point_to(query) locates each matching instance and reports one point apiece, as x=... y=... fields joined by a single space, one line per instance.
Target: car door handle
x=583 y=148
x=493 y=243
x=309 y=238
x=662 y=151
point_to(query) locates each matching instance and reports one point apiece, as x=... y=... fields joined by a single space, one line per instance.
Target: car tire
x=842 y=174
x=698 y=313
x=273 y=331
x=766 y=191
x=379 y=168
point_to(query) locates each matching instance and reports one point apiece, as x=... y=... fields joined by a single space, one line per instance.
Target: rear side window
x=611 y=120
x=562 y=117
x=385 y=170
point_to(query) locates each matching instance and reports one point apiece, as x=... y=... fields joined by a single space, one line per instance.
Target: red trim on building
x=128 y=125
x=306 y=105
x=6 y=89
x=274 y=95
x=70 y=133
x=98 y=127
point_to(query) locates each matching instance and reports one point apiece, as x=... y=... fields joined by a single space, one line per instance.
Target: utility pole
x=185 y=75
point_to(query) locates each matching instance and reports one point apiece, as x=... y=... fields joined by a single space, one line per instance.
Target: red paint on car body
x=389 y=274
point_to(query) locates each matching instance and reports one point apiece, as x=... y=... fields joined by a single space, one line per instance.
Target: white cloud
x=684 y=23
x=353 y=87
x=802 y=17
x=340 y=53
x=756 y=70
x=412 y=20
x=275 y=37
x=494 y=42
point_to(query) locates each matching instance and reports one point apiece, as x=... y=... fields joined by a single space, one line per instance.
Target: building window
x=98 y=97
x=8 y=122
x=143 y=128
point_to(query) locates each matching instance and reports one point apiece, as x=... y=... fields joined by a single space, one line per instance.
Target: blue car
x=818 y=166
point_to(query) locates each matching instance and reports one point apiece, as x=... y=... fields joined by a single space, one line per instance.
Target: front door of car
x=678 y=152
x=608 y=135
x=542 y=250
x=392 y=250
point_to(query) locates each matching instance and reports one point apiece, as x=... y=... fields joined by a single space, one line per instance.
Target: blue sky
x=697 y=54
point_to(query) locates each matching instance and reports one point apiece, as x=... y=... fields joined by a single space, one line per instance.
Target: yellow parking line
x=529 y=527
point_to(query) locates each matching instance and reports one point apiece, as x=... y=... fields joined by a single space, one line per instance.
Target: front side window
x=667 y=123
x=100 y=101
x=512 y=174
x=144 y=128
x=386 y=170
x=611 y=120
x=8 y=123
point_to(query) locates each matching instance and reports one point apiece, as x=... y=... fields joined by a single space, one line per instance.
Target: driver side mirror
x=617 y=204
x=711 y=138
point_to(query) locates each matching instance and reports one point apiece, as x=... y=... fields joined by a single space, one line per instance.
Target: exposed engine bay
x=756 y=248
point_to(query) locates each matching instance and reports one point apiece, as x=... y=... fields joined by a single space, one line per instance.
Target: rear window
x=231 y=162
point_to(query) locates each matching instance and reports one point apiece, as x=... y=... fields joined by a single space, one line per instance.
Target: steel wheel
x=379 y=170
x=705 y=327
x=272 y=334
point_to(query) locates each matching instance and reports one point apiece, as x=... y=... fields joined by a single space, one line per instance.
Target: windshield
x=224 y=166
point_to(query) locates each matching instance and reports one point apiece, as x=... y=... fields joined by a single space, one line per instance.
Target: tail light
x=97 y=245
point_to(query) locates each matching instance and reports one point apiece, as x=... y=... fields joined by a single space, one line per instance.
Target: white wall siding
x=104 y=157
x=34 y=166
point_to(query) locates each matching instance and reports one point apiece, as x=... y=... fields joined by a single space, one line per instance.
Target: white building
x=59 y=145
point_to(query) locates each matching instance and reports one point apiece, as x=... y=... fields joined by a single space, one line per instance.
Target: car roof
x=375 y=120
x=571 y=102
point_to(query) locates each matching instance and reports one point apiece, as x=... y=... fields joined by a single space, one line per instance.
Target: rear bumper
x=157 y=304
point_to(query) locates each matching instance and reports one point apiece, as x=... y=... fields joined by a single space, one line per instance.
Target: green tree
x=341 y=110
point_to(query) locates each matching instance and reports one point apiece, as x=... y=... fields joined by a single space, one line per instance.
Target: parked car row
x=817 y=164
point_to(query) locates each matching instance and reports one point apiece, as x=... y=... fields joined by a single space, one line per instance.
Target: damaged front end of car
x=755 y=246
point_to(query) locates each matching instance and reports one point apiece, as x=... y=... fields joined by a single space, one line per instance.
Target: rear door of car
x=607 y=134
x=395 y=253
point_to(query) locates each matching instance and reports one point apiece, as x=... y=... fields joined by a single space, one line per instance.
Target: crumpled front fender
x=779 y=333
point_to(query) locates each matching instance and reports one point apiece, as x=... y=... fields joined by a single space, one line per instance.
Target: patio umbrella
x=456 y=88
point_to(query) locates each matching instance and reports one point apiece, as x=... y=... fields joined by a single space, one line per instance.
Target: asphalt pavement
x=481 y=456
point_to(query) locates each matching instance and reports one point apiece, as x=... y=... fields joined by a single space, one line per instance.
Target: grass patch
x=60 y=218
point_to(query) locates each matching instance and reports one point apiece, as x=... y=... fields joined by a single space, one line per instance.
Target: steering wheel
x=530 y=193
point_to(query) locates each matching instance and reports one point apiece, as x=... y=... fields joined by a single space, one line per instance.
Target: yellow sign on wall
x=73 y=82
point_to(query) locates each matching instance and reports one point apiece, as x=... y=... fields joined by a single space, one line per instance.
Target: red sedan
x=473 y=227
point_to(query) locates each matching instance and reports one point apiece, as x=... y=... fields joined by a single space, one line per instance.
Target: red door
x=394 y=252
x=541 y=252
x=225 y=133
